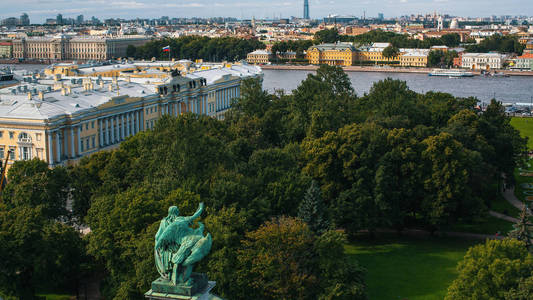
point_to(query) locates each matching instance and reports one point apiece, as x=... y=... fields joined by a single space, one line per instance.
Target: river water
x=515 y=89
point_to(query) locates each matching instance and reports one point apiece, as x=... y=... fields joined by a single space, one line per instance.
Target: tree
x=492 y=270
x=275 y=262
x=32 y=183
x=131 y=51
x=327 y=36
x=312 y=210
x=390 y=52
x=340 y=277
x=37 y=252
x=447 y=180
x=523 y=228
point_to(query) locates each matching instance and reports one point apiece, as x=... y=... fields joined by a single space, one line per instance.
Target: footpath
x=510 y=196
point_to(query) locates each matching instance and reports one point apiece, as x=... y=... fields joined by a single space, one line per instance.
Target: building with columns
x=61 y=121
x=75 y=48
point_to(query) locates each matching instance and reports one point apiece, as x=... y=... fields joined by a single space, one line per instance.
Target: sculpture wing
x=185 y=249
x=200 y=250
x=171 y=236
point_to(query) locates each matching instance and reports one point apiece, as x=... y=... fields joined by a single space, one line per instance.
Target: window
x=81 y=144
x=81 y=128
x=12 y=153
x=38 y=136
x=147 y=124
x=146 y=110
x=155 y=109
x=93 y=142
x=1 y=152
x=92 y=124
x=11 y=134
x=87 y=126
x=151 y=109
x=26 y=153
x=1 y=134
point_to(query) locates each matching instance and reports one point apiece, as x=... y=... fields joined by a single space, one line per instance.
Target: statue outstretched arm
x=197 y=214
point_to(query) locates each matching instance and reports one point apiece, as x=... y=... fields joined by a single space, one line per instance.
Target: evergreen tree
x=312 y=209
x=523 y=229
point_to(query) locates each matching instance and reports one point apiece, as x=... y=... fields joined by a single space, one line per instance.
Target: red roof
x=526 y=55
x=5 y=44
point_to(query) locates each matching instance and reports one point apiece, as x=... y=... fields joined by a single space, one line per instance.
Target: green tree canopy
x=494 y=270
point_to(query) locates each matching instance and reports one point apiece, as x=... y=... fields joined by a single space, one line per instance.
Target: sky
x=39 y=10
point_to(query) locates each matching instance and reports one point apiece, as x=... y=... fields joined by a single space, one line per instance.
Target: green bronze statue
x=178 y=246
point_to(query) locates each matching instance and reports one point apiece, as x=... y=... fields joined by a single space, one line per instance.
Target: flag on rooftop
x=167 y=48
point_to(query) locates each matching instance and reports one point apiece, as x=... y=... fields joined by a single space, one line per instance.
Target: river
x=505 y=89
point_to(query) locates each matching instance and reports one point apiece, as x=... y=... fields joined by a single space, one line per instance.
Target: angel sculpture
x=178 y=246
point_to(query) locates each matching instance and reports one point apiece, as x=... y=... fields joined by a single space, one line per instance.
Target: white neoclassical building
x=483 y=61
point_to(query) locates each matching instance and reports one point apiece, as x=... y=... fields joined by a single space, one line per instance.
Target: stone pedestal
x=165 y=290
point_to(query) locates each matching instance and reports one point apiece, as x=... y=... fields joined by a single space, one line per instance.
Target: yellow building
x=374 y=53
x=338 y=54
x=62 y=120
x=414 y=58
x=259 y=57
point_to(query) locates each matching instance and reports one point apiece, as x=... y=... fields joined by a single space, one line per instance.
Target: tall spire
x=306 y=9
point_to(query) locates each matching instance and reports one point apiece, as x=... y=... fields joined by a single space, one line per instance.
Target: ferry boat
x=451 y=73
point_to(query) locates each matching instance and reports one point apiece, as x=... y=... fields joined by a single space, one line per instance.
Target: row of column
x=224 y=97
x=116 y=128
x=111 y=130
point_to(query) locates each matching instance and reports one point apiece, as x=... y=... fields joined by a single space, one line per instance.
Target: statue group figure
x=178 y=246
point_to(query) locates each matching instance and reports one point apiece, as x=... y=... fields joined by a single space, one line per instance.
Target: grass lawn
x=525 y=126
x=401 y=268
x=489 y=225
x=519 y=191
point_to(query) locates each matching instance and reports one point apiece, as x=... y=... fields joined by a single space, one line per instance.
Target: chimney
x=41 y=95
x=29 y=95
x=63 y=91
x=69 y=90
x=128 y=79
x=91 y=86
x=110 y=87
x=101 y=84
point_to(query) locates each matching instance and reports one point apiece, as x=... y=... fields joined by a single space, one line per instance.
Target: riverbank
x=380 y=69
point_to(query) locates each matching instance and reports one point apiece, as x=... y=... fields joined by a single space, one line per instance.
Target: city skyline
x=40 y=10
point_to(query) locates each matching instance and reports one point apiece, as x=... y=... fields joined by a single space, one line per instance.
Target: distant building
x=59 y=19
x=76 y=48
x=259 y=57
x=454 y=24
x=338 y=19
x=10 y=22
x=306 y=9
x=24 y=20
x=380 y=16
x=79 y=19
x=439 y=48
x=524 y=62
x=414 y=58
x=6 y=49
x=374 y=53
x=482 y=61
x=529 y=47
x=338 y=54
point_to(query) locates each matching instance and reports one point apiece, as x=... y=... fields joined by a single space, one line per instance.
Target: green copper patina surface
x=177 y=248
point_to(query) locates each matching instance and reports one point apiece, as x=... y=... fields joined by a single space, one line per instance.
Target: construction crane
x=4 y=169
